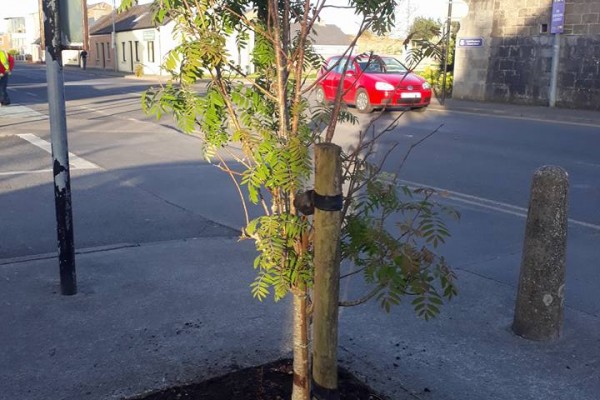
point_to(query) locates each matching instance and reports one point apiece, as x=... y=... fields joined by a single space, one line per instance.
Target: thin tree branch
x=412 y=146
x=356 y=271
x=363 y=299
x=237 y=186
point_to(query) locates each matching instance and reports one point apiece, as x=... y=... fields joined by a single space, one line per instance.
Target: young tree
x=265 y=123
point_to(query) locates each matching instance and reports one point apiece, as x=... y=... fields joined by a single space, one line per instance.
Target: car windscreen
x=372 y=65
x=393 y=66
x=381 y=65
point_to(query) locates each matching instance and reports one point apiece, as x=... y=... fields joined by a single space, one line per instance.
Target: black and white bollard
x=540 y=297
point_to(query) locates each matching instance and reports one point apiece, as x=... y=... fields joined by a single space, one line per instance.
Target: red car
x=372 y=82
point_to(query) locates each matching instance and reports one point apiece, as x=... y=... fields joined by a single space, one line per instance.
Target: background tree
x=425 y=28
x=260 y=129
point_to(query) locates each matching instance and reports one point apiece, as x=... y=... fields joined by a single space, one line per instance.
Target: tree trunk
x=301 y=388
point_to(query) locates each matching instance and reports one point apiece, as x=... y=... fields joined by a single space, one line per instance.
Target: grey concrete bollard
x=540 y=297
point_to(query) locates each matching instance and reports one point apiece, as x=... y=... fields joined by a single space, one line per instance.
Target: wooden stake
x=328 y=189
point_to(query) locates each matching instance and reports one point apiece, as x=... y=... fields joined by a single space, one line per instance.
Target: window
x=108 y=51
x=151 y=51
x=332 y=64
x=97 y=52
x=342 y=65
x=372 y=65
x=123 y=46
x=137 y=54
x=16 y=25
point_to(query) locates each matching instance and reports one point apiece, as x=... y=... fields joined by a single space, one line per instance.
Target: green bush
x=13 y=52
x=436 y=79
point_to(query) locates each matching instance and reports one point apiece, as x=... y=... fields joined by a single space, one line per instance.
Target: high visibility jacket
x=7 y=62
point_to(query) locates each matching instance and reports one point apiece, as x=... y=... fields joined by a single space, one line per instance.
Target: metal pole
x=554 y=70
x=60 y=147
x=86 y=27
x=114 y=37
x=447 y=50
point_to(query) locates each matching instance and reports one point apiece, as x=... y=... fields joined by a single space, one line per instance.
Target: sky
x=344 y=18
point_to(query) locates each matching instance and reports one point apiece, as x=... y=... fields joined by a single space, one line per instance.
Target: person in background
x=83 y=55
x=7 y=64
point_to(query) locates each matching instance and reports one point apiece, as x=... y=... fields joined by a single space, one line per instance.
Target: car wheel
x=320 y=95
x=362 y=102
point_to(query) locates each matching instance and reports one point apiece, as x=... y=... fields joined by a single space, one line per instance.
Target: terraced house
x=141 y=44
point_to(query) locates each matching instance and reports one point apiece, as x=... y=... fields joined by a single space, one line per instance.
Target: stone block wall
x=579 y=72
x=517 y=55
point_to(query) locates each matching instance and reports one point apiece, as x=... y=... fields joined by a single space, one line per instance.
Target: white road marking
x=34 y=171
x=587 y=164
x=491 y=204
x=74 y=160
x=18 y=111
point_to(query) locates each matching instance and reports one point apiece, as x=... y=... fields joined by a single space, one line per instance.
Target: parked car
x=372 y=81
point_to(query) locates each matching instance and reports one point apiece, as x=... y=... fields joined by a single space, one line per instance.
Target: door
x=348 y=72
x=350 y=82
x=103 y=57
x=329 y=79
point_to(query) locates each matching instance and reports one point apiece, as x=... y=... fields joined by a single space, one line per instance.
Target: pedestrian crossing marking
x=17 y=111
x=74 y=160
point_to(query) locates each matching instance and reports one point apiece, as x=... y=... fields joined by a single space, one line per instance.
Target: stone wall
x=579 y=72
x=517 y=53
x=471 y=64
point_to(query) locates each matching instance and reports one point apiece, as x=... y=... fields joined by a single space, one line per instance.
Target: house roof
x=327 y=35
x=99 y=6
x=137 y=17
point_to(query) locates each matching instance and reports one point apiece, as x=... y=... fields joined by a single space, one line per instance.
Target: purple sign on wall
x=558 y=16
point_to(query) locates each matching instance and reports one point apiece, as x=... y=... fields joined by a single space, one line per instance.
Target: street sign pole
x=60 y=147
x=554 y=70
x=556 y=28
x=447 y=50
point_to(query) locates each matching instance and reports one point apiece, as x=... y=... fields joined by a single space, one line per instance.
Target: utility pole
x=447 y=49
x=60 y=147
x=113 y=37
x=86 y=27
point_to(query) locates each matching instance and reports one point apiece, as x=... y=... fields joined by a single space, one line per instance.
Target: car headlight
x=384 y=86
x=426 y=85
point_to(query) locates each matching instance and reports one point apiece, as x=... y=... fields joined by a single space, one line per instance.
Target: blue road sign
x=470 y=42
x=558 y=16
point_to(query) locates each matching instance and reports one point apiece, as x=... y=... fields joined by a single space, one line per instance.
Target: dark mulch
x=266 y=382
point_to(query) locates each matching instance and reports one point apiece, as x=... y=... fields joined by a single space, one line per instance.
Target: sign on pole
x=72 y=23
x=557 y=25
x=470 y=42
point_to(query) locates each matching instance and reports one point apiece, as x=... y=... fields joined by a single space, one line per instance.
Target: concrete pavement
x=558 y=115
x=157 y=314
